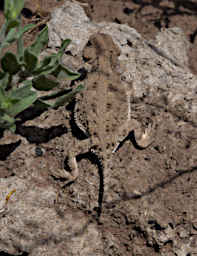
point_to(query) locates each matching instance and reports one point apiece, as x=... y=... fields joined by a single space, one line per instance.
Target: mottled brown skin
x=103 y=108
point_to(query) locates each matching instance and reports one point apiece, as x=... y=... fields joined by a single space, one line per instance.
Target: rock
x=155 y=69
x=32 y=222
x=70 y=21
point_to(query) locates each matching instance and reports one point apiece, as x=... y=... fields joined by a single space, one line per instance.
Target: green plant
x=22 y=74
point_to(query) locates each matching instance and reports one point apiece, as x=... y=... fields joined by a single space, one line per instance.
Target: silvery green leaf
x=9 y=63
x=4 y=80
x=22 y=104
x=64 y=45
x=13 y=8
x=40 y=42
x=30 y=60
x=50 y=63
x=62 y=72
x=3 y=31
x=11 y=36
x=44 y=83
x=24 y=29
x=64 y=99
x=22 y=91
x=47 y=65
x=12 y=24
x=5 y=120
x=20 y=43
x=2 y=96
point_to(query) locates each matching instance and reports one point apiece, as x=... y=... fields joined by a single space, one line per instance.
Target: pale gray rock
x=31 y=222
x=178 y=52
x=70 y=21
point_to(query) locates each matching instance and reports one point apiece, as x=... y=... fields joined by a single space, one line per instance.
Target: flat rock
x=33 y=221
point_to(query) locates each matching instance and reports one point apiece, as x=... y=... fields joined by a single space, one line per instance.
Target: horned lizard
x=102 y=110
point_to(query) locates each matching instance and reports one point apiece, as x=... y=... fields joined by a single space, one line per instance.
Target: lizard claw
x=146 y=138
x=73 y=172
x=71 y=176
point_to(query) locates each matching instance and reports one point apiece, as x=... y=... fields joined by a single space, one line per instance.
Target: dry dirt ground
x=160 y=196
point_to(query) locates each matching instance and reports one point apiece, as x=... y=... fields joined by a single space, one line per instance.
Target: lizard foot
x=71 y=175
x=145 y=137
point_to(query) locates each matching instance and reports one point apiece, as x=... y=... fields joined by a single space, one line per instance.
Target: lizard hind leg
x=144 y=136
x=132 y=130
x=70 y=172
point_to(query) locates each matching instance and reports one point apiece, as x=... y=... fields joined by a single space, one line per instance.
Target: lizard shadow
x=95 y=160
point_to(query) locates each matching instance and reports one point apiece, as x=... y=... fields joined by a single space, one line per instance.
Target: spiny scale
x=80 y=118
